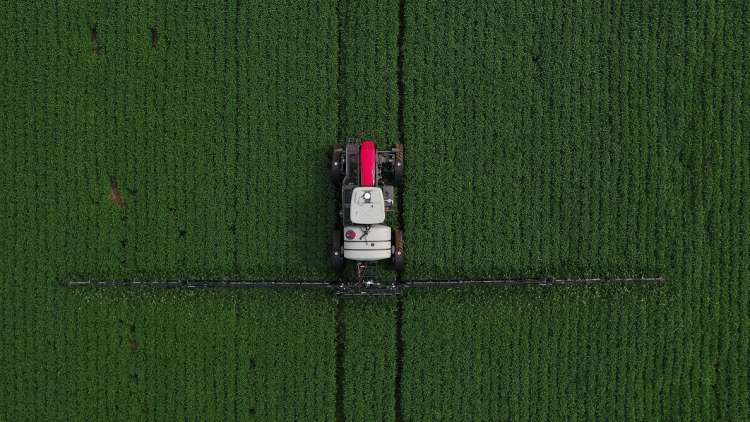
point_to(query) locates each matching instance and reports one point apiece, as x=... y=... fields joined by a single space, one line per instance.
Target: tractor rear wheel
x=337 y=252
x=398 y=250
x=337 y=166
x=398 y=165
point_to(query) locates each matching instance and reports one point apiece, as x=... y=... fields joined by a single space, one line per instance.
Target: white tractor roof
x=367 y=206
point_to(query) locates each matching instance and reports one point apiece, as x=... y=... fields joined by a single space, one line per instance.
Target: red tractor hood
x=367 y=163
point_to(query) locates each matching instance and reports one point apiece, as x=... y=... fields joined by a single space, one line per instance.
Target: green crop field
x=589 y=139
x=168 y=140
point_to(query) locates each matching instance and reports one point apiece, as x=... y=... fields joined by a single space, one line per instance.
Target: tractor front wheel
x=337 y=166
x=398 y=165
x=337 y=252
x=398 y=251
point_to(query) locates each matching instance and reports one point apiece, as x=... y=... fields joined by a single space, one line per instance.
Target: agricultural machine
x=368 y=179
x=366 y=233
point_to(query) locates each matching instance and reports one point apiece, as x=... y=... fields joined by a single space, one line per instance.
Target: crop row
x=175 y=139
x=585 y=139
x=368 y=107
x=369 y=359
x=201 y=155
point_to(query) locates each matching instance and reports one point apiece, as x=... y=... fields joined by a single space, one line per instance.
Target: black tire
x=337 y=252
x=398 y=165
x=337 y=166
x=398 y=256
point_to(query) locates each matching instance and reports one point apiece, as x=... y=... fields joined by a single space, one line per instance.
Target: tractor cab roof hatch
x=367 y=206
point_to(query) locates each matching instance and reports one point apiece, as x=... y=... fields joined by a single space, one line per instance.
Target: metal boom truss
x=367 y=287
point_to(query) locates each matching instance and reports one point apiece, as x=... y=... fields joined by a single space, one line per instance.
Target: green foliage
x=368 y=85
x=369 y=359
x=214 y=138
x=590 y=138
x=541 y=138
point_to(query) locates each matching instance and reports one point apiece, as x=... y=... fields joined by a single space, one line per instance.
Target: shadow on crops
x=115 y=196
x=97 y=48
x=154 y=37
x=132 y=342
x=312 y=216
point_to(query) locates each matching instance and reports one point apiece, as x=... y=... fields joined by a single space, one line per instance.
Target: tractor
x=366 y=233
x=368 y=180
